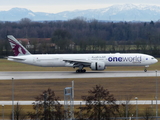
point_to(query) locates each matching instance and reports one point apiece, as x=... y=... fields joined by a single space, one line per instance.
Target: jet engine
x=97 y=66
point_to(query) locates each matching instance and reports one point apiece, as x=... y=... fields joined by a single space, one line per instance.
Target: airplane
x=94 y=61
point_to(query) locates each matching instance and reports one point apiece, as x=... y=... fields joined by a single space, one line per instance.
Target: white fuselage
x=59 y=60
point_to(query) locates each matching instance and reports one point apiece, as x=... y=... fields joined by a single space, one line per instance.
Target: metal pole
x=72 y=99
x=136 y=98
x=156 y=95
x=45 y=107
x=126 y=110
x=81 y=110
x=151 y=103
x=3 y=111
x=12 y=98
x=37 y=111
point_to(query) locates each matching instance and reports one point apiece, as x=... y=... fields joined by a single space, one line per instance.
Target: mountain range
x=125 y=12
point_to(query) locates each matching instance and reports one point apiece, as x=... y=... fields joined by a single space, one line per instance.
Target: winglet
x=17 y=47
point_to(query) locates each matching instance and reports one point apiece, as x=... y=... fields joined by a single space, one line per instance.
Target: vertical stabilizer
x=17 y=47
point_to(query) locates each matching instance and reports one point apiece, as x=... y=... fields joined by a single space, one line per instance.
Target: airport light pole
x=72 y=99
x=136 y=98
x=12 y=98
x=2 y=111
x=126 y=110
x=45 y=106
x=156 y=95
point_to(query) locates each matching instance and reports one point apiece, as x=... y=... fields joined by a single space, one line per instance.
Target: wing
x=78 y=62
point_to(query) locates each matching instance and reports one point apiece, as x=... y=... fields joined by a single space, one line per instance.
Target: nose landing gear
x=145 y=68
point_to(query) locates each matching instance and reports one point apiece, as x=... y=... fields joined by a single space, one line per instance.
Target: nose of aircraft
x=156 y=60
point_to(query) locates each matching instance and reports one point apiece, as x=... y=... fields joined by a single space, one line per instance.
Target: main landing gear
x=80 y=71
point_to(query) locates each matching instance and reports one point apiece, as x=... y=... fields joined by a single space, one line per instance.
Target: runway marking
x=19 y=75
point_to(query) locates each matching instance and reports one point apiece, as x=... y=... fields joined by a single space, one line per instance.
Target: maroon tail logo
x=17 y=49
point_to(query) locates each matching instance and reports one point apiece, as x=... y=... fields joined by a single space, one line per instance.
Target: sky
x=55 y=6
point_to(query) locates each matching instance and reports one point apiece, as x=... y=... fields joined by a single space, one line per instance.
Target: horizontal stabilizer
x=15 y=58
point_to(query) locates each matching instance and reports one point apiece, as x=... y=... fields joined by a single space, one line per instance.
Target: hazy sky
x=54 y=6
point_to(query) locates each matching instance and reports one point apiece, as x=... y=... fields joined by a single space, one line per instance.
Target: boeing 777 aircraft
x=94 y=61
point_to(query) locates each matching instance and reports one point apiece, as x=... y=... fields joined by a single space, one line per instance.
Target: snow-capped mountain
x=126 y=12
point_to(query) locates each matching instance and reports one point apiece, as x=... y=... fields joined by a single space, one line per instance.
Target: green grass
x=118 y=86
x=141 y=87
x=6 y=65
x=121 y=88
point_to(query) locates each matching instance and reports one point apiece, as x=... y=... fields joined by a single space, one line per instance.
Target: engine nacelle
x=97 y=66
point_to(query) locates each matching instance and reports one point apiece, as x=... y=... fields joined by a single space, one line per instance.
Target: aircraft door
x=35 y=59
x=144 y=59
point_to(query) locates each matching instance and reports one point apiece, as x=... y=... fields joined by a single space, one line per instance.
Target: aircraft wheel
x=83 y=71
x=80 y=71
x=145 y=70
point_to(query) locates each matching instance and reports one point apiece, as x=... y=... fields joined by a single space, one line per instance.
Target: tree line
x=84 y=36
x=100 y=105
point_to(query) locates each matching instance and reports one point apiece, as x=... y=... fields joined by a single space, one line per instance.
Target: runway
x=18 y=75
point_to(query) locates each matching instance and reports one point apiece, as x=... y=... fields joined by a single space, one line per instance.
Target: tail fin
x=17 y=47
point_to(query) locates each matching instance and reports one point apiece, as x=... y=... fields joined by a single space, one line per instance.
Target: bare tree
x=100 y=105
x=25 y=21
x=47 y=107
x=148 y=113
x=19 y=113
x=61 y=38
x=126 y=108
